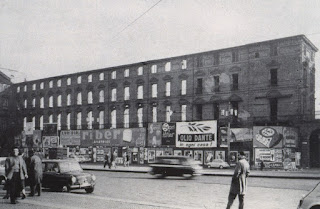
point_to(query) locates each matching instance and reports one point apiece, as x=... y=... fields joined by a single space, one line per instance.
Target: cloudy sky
x=52 y=37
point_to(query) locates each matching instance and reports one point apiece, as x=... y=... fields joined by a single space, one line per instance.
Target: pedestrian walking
x=106 y=160
x=124 y=156
x=113 y=159
x=34 y=173
x=6 y=184
x=16 y=173
x=239 y=182
x=262 y=165
x=127 y=160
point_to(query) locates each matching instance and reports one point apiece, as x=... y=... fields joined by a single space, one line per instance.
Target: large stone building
x=5 y=113
x=269 y=83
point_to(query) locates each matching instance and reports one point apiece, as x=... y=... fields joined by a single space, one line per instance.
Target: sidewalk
x=299 y=174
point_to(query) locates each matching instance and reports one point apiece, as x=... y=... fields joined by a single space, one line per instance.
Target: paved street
x=141 y=190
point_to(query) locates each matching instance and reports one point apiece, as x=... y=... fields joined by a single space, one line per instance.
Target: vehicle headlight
x=73 y=179
x=93 y=177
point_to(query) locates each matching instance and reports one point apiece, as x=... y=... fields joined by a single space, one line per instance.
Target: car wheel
x=209 y=166
x=188 y=176
x=220 y=166
x=89 y=190
x=66 y=188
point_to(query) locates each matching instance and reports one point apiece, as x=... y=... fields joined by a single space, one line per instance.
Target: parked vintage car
x=218 y=163
x=175 y=166
x=2 y=170
x=311 y=200
x=66 y=175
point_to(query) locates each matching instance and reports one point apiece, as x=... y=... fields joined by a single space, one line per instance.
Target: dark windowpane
x=273 y=109
x=216 y=83
x=199 y=86
x=216 y=59
x=274 y=77
x=235 y=80
x=199 y=111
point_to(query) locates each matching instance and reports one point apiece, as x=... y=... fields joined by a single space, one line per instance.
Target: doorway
x=315 y=149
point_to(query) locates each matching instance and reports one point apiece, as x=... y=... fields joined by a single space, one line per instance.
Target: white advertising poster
x=199 y=134
x=29 y=128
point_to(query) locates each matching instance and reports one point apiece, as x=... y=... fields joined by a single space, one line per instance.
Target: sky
x=46 y=38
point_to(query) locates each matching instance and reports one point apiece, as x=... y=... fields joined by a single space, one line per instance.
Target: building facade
x=6 y=117
x=270 y=83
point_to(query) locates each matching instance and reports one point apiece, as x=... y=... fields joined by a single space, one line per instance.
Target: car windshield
x=69 y=166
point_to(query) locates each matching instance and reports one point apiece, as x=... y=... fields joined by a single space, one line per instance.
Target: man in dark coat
x=16 y=172
x=239 y=181
x=35 y=173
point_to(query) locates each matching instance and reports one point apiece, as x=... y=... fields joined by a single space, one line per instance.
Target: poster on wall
x=208 y=156
x=268 y=136
x=272 y=158
x=233 y=157
x=290 y=137
x=37 y=142
x=151 y=156
x=236 y=135
x=247 y=154
x=141 y=155
x=199 y=134
x=177 y=152
x=70 y=137
x=188 y=153
x=154 y=134
x=28 y=130
x=50 y=129
x=113 y=137
x=50 y=141
x=220 y=155
x=159 y=152
x=198 y=155
x=168 y=133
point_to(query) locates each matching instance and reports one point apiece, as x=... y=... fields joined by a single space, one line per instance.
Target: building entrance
x=315 y=149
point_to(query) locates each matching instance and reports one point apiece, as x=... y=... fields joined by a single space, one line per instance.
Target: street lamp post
x=229 y=114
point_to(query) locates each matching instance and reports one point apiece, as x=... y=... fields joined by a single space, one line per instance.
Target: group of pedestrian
x=110 y=160
x=18 y=170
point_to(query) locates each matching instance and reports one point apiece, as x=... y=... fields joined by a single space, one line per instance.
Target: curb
x=214 y=174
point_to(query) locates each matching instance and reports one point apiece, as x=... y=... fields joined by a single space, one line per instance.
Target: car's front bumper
x=82 y=186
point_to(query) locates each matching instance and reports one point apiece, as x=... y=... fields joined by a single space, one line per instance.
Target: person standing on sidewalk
x=124 y=156
x=35 y=173
x=16 y=172
x=262 y=165
x=239 y=182
x=106 y=160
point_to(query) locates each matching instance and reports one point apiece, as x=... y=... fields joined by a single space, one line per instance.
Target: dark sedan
x=66 y=175
x=175 y=166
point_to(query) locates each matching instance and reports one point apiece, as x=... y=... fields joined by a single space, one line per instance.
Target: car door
x=52 y=176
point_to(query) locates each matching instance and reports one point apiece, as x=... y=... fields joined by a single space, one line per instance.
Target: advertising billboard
x=236 y=135
x=290 y=137
x=70 y=137
x=268 y=136
x=154 y=134
x=200 y=134
x=272 y=158
x=50 y=129
x=168 y=134
x=113 y=137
